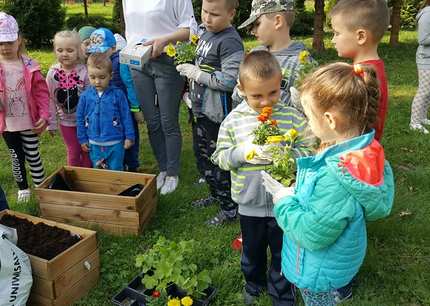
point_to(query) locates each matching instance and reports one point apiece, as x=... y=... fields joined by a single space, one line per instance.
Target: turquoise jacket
x=324 y=222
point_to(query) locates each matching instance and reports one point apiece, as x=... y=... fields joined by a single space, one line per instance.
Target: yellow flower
x=291 y=134
x=173 y=302
x=250 y=155
x=187 y=301
x=194 y=39
x=274 y=139
x=170 y=50
x=304 y=57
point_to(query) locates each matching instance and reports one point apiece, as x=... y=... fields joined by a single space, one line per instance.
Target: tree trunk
x=318 y=38
x=395 y=23
x=86 y=8
x=104 y=2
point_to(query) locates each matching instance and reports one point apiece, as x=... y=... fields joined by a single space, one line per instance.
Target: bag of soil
x=15 y=270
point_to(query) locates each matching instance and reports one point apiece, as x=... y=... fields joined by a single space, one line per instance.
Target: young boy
x=212 y=79
x=358 y=27
x=104 y=123
x=270 y=22
x=103 y=41
x=260 y=78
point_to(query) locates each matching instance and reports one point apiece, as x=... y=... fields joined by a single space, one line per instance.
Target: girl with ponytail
x=347 y=183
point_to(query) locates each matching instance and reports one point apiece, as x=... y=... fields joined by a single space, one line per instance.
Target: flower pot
x=208 y=294
x=128 y=297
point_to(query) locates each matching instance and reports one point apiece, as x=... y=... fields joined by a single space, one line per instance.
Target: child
x=105 y=127
x=358 y=27
x=24 y=106
x=337 y=190
x=270 y=22
x=84 y=35
x=103 y=41
x=260 y=78
x=212 y=79
x=66 y=81
x=421 y=102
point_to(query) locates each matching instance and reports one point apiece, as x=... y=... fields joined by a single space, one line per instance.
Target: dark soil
x=40 y=239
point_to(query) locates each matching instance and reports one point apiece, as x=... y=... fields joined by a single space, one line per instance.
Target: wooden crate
x=70 y=275
x=94 y=202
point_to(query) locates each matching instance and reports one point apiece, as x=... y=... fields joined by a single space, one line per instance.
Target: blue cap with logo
x=101 y=40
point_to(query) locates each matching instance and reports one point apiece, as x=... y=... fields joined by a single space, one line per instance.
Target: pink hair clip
x=358 y=70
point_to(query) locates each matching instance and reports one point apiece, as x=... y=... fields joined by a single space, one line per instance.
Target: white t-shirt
x=149 y=19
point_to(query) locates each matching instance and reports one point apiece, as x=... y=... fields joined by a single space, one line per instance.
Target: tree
x=118 y=17
x=38 y=20
x=86 y=8
x=395 y=22
x=318 y=37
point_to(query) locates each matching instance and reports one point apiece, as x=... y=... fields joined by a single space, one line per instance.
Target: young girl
x=66 y=80
x=24 y=106
x=421 y=102
x=347 y=183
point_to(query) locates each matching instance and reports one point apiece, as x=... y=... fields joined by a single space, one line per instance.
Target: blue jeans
x=107 y=157
x=159 y=87
x=3 y=201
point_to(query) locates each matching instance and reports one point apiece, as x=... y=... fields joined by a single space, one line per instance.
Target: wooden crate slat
x=115 y=229
x=43 y=287
x=112 y=216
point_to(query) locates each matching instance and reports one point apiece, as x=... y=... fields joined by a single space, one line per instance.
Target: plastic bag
x=15 y=270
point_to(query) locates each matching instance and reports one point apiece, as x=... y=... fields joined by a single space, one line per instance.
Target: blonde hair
x=352 y=91
x=229 y=4
x=100 y=61
x=74 y=36
x=372 y=15
x=259 y=65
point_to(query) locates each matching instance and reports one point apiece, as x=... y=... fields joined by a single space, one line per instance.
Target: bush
x=38 y=20
x=303 y=23
x=116 y=16
x=79 y=20
x=408 y=13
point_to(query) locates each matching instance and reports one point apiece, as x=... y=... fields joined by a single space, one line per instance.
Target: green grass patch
x=93 y=9
x=397 y=267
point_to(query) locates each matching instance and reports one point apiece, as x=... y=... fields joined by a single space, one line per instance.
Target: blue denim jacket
x=104 y=119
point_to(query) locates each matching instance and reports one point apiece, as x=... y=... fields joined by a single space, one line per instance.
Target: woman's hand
x=158 y=45
x=128 y=144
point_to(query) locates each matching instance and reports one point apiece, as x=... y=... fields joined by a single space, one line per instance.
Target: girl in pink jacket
x=24 y=106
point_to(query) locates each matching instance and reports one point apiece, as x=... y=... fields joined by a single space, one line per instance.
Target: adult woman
x=159 y=86
x=421 y=102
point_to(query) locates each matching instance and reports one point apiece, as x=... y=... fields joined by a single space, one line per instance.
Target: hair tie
x=358 y=70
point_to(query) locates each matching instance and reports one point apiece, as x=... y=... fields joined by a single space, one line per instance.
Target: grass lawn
x=397 y=267
x=93 y=9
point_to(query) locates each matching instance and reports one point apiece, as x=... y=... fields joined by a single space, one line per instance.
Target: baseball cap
x=102 y=40
x=260 y=7
x=8 y=28
x=85 y=32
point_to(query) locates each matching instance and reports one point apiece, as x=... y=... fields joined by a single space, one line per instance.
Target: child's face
x=263 y=29
x=67 y=52
x=99 y=78
x=345 y=40
x=84 y=46
x=216 y=16
x=9 y=50
x=261 y=93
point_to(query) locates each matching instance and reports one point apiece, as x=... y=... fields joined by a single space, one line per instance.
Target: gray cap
x=260 y=7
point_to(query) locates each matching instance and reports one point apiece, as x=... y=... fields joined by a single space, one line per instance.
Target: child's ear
x=278 y=21
x=362 y=36
x=330 y=120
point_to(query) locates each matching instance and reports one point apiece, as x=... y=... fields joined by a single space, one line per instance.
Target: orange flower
x=267 y=111
x=274 y=122
x=262 y=117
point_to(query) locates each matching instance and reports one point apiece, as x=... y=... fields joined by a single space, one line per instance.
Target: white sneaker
x=160 y=179
x=425 y=122
x=24 y=196
x=170 y=184
x=419 y=128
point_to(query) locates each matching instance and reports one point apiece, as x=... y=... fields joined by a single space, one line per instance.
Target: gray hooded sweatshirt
x=423 y=51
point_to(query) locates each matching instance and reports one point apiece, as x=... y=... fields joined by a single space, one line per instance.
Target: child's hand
x=190 y=71
x=127 y=144
x=276 y=189
x=85 y=147
x=256 y=154
x=40 y=126
x=138 y=116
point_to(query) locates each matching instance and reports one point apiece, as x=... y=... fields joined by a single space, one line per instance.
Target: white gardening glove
x=295 y=98
x=256 y=154
x=191 y=72
x=276 y=189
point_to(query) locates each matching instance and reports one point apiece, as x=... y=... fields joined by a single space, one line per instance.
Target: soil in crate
x=40 y=239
